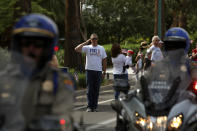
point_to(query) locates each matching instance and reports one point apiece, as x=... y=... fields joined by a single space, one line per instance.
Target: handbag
x=121 y=85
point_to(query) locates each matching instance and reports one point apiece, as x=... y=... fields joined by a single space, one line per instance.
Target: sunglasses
x=38 y=43
x=94 y=38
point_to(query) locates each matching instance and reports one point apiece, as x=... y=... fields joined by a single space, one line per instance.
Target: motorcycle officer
x=49 y=91
x=174 y=67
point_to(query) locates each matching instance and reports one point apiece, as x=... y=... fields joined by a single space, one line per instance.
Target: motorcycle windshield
x=164 y=81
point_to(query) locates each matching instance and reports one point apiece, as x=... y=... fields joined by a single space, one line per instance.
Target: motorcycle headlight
x=140 y=122
x=175 y=123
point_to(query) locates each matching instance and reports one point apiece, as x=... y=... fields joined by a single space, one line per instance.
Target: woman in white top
x=118 y=61
x=156 y=51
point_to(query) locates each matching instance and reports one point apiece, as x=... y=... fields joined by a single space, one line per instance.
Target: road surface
x=105 y=118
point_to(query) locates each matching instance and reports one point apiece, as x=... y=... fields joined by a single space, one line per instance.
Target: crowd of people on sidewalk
x=146 y=57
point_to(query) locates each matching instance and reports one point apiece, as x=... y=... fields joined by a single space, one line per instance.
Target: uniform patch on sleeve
x=68 y=82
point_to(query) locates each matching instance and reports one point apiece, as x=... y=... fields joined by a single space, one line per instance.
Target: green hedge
x=81 y=83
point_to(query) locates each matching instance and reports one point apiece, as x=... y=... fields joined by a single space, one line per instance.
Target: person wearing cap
x=160 y=44
x=129 y=58
x=144 y=44
x=128 y=62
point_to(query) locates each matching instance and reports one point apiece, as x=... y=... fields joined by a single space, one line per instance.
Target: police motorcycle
x=161 y=100
x=183 y=115
x=147 y=107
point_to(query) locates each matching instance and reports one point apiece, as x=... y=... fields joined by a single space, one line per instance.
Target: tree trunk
x=183 y=14
x=72 y=35
x=156 y=18
x=183 y=20
x=175 y=19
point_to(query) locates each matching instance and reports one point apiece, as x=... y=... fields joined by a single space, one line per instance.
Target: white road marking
x=107 y=91
x=105 y=101
x=101 y=124
x=79 y=97
x=101 y=102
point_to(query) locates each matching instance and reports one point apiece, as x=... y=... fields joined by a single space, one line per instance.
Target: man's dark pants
x=93 y=82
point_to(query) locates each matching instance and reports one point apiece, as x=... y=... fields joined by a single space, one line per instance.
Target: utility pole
x=159 y=18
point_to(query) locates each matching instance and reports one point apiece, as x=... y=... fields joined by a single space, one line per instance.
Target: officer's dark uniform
x=49 y=93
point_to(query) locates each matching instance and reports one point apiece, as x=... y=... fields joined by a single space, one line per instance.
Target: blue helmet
x=36 y=26
x=176 y=38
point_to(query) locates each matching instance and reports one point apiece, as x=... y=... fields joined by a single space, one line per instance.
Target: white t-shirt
x=128 y=60
x=156 y=53
x=151 y=49
x=94 y=57
x=118 y=64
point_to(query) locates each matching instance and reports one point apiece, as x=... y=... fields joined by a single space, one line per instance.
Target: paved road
x=102 y=120
x=105 y=119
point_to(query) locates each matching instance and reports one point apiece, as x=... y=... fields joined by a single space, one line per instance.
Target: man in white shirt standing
x=96 y=64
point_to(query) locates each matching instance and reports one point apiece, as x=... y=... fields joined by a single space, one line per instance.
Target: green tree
x=9 y=13
x=115 y=20
x=56 y=10
x=180 y=12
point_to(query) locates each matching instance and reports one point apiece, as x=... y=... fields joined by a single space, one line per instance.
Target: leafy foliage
x=81 y=78
x=6 y=13
x=60 y=56
x=116 y=20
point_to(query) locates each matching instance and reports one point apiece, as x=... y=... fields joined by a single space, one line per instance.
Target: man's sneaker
x=89 y=110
